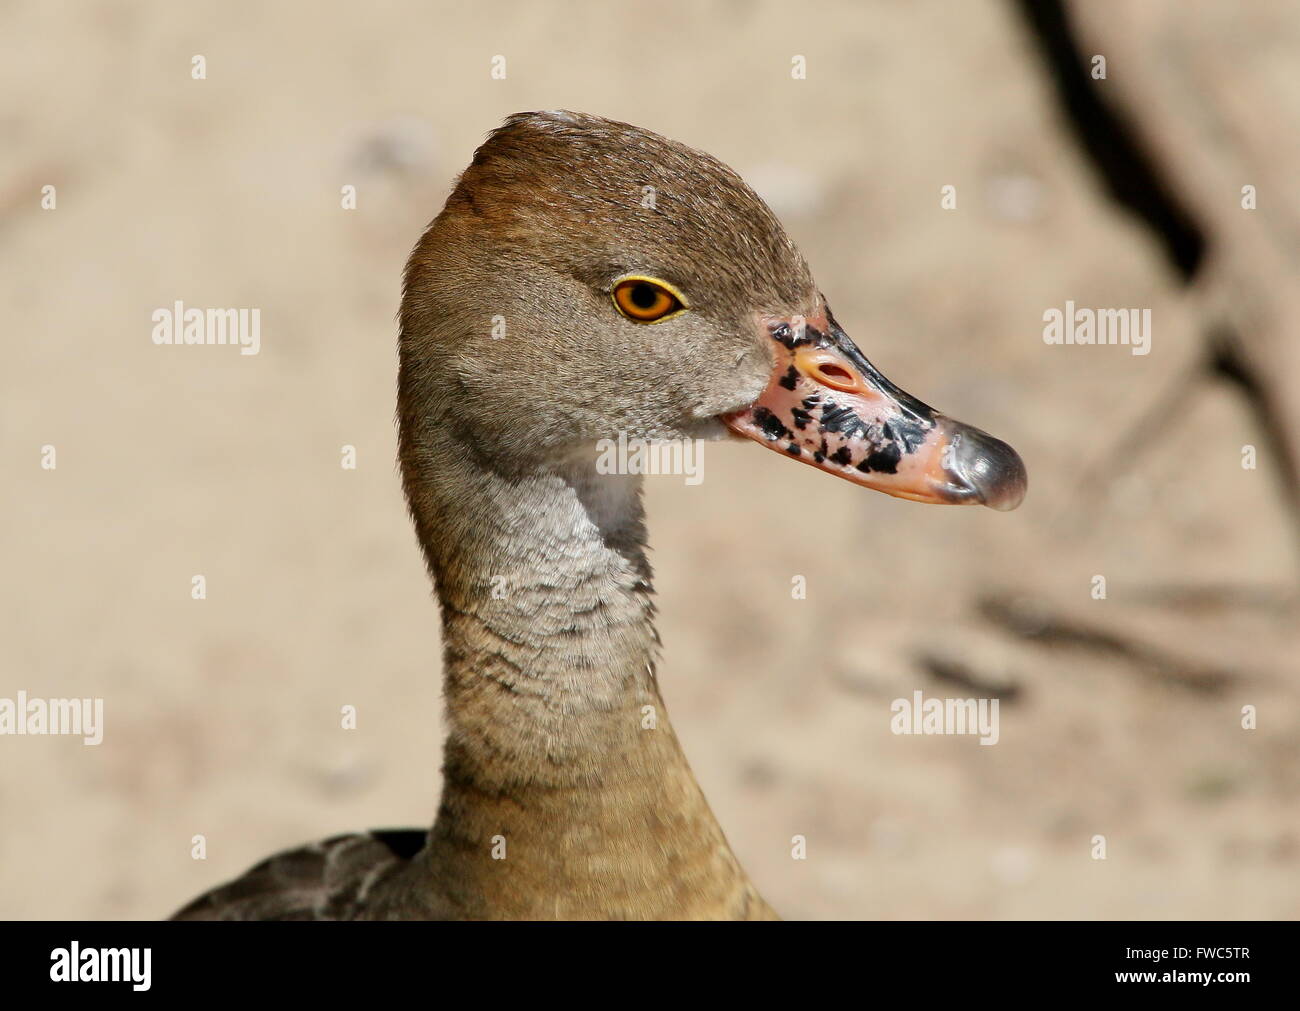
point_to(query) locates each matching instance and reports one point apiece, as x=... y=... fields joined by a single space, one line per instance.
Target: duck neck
x=566 y=793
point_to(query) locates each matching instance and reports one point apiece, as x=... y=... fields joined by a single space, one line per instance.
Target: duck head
x=588 y=278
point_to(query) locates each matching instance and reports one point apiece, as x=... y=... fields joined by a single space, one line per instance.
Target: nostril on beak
x=990 y=468
x=826 y=371
x=833 y=373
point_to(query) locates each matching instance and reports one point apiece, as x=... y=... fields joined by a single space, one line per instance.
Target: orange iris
x=645 y=300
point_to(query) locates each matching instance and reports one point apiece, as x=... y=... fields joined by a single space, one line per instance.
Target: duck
x=589 y=280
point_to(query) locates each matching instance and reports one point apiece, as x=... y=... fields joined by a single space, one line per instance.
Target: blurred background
x=1120 y=717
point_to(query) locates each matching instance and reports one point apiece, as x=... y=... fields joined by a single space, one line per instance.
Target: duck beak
x=827 y=406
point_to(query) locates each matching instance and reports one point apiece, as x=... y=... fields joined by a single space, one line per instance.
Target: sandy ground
x=222 y=714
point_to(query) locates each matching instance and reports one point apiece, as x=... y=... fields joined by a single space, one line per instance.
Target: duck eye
x=646 y=300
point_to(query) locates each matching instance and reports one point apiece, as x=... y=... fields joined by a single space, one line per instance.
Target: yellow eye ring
x=647 y=299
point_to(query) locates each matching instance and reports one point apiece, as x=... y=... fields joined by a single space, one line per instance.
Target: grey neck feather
x=559 y=747
x=547 y=612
